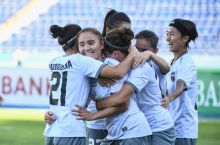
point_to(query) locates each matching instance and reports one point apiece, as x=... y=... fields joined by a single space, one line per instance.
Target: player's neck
x=179 y=53
x=71 y=51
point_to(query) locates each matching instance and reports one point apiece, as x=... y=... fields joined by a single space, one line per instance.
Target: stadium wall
x=29 y=88
x=25 y=88
x=209 y=92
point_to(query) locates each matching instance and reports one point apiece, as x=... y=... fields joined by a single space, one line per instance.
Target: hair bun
x=56 y=31
x=120 y=37
x=126 y=34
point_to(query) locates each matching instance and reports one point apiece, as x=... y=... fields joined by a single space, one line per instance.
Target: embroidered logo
x=92 y=95
x=124 y=129
x=172 y=76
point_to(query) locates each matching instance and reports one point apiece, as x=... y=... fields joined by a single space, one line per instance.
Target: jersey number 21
x=58 y=88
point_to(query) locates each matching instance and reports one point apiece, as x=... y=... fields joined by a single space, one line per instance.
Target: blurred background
x=26 y=49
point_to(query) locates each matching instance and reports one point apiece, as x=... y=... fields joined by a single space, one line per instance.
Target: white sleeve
x=138 y=78
x=186 y=72
x=89 y=66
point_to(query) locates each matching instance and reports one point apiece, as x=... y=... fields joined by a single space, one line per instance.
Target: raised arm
x=120 y=70
x=161 y=63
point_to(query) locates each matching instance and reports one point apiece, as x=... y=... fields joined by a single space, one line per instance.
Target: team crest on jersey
x=92 y=94
x=172 y=77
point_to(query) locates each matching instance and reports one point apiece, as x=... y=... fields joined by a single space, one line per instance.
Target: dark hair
x=110 y=13
x=66 y=35
x=149 y=36
x=114 y=20
x=93 y=31
x=186 y=28
x=118 y=39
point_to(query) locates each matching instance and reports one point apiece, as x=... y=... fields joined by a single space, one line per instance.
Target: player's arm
x=119 y=99
x=137 y=80
x=148 y=55
x=186 y=73
x=120 y=70
x=106 y=82
x=161 y=63
x=83 y=114
x=180 y=87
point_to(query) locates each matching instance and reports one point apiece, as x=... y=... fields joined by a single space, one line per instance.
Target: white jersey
x=146 y=85
x=124 y=125
x=98 y=124
x=183 y=109
x=70 y=85
x=162 y=77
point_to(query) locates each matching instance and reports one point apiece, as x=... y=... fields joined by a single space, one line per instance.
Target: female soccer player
x=146 y=42
x=70 y=85
x=123 y=128
x=96 y=129
x=182 y=82
x=145 y=83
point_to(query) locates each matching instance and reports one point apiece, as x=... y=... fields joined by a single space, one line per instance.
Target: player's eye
x=81 y=45
x=91 y=43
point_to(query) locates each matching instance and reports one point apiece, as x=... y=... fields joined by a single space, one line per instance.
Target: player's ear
x=102 y=44
x=185 y=38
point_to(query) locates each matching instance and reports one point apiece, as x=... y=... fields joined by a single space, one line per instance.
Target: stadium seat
x=154 y=15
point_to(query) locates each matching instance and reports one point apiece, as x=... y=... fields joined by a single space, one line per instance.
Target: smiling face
x=175 y=40
x=90 y=45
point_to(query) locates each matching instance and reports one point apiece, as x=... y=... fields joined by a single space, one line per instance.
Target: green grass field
x=21 y=127
x=25 y=127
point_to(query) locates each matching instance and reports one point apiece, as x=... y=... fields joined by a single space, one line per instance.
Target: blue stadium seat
x=154 y=15
x=9 y=8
